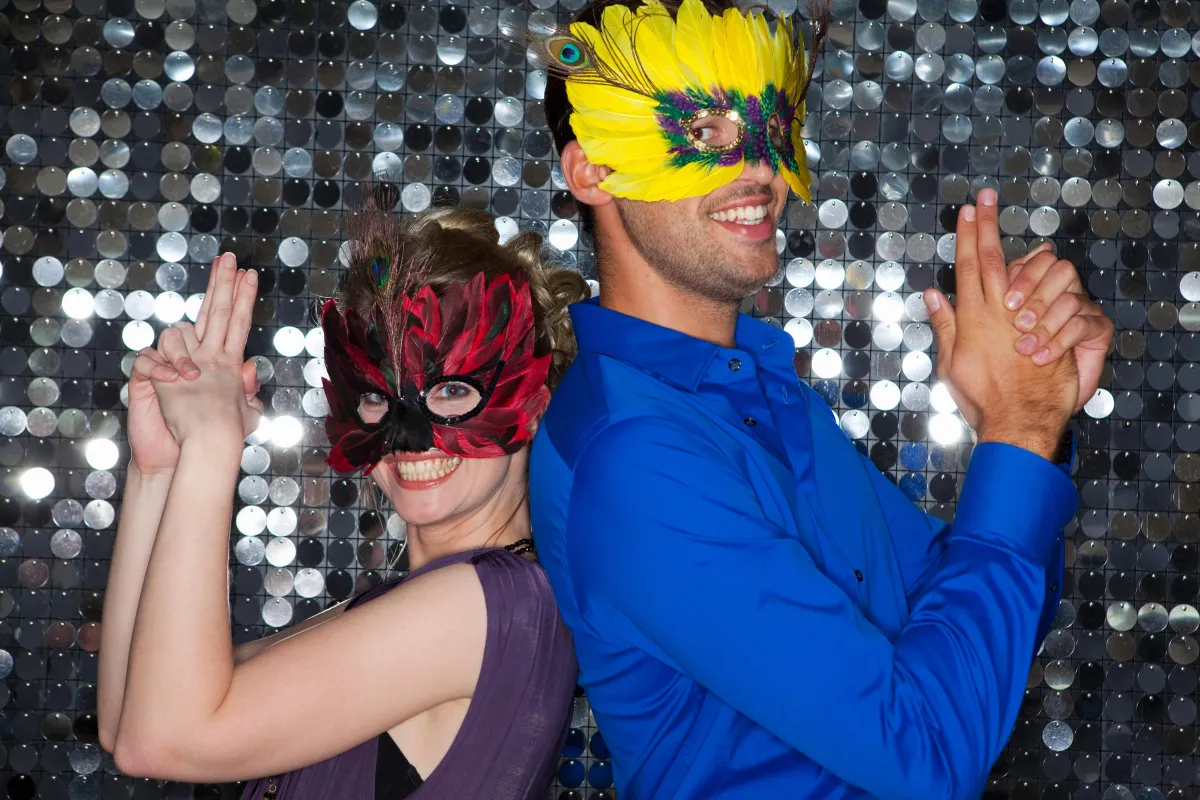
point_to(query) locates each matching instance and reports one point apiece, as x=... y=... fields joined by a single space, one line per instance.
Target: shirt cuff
x=1018 y=498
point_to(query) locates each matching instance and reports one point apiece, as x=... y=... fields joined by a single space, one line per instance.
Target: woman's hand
x=215 y=400
x=153 y=448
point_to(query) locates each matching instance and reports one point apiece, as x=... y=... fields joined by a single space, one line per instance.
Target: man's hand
x=1050 y=306
x=1003 y=394
x=1057 y=316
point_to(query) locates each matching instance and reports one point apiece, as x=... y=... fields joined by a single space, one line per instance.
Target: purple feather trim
x=731 y=158
x=671 y=126
x=682 y=102
x=754 y=123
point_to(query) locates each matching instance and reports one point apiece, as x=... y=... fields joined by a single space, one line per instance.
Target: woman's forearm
x=141 y=510
x=181 y=659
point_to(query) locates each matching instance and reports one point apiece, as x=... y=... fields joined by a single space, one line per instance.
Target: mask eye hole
x=453 y=398
x=372 y=407
x=715 y=131
x=775 y=134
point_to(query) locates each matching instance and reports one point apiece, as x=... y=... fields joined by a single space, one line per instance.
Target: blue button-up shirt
x=758 y=612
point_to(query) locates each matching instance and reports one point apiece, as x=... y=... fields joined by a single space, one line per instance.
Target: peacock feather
x=381 y=268
x=378 y=259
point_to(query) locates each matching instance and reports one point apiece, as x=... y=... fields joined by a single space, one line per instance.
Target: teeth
x=742 y=215
x=429 y=469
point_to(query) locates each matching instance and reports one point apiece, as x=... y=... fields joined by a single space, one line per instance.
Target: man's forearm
x=141 y=511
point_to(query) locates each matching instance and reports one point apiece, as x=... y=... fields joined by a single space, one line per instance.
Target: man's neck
x=635 y=288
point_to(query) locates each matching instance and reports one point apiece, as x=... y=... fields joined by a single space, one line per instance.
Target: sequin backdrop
x=142 y=137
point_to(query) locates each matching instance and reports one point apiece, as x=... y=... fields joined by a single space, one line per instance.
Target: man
x=757 y=611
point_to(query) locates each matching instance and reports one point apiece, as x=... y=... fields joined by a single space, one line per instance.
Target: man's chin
x=746 y=276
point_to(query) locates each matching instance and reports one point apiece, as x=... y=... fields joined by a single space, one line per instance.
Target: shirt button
x=751 y=421
x=1053 y=588
x=735 y=364
x=858 y=574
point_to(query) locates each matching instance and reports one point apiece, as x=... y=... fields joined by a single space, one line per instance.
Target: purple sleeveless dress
x=517 y=722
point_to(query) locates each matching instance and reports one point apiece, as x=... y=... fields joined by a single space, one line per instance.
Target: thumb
x=250 y=378
x=941 y=316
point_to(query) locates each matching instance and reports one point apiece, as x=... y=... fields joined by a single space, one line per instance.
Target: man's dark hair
x=558 y=107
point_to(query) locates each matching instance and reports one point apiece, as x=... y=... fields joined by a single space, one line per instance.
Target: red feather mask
x=455 y=371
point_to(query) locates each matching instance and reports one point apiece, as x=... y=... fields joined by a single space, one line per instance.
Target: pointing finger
x=202 y=316
x=966 y=258
x=222 y=302
x=243 y=311
x=993 y=271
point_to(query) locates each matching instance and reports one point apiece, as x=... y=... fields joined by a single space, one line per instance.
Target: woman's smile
x=420 y=471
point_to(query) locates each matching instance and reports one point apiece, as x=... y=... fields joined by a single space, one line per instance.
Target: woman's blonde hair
x=454 y=245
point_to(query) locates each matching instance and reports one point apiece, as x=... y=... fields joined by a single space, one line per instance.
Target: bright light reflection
x=137 y=335
x=289 y=342
x=826 y=363
x=192 y=304
x=286 y=431
x=945 y=428
x=78 y=303
x=885 y=395
x=889 y=307
x=941 y=400
x=101 y=454
x=169 y=307
x=314 y=342
x=315 y=371
x=37 y=483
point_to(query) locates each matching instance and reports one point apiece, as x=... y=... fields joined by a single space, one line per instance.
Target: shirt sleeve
x=920 y=538
x=664 y=530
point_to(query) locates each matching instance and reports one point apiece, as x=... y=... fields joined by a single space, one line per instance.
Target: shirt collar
x=674 y=357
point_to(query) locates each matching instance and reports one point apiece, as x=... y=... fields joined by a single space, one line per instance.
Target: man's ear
x=583 y=177
x=539 y=402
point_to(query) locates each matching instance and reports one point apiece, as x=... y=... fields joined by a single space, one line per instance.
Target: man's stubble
x=683 y=252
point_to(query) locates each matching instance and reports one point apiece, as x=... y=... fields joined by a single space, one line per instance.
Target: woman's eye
x=372 y=406
x=452 y=398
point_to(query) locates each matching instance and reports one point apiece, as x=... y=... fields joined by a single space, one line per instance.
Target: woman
x=455 y=682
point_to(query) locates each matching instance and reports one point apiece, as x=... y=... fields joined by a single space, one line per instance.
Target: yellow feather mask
x=674 y=107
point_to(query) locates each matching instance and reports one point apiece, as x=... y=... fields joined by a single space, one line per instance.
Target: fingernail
x=1026 y=343
x=1041 y=356
x=1026 y=320
x=191 y=372
x=1013 y=300
x=969 y=213
x=252 y=276
x=988 y=197
x=933 y=303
